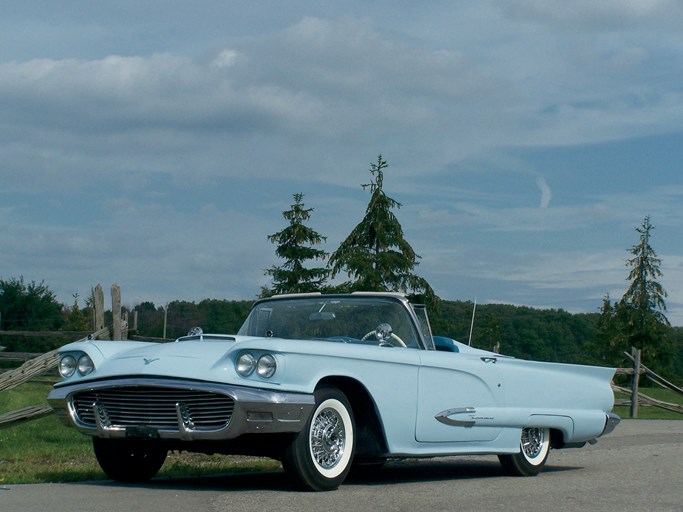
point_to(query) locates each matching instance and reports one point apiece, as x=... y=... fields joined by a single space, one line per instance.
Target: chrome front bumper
x=254 y=410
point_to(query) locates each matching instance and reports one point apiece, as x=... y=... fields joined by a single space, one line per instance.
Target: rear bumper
x=255 y=410
x=611 y=423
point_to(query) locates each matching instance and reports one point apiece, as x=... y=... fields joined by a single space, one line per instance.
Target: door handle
x=489 y=359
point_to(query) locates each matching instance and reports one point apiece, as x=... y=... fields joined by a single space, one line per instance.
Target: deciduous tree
x=28 y=306
x=610 y=342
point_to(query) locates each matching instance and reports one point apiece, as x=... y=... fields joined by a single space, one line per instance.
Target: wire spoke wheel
x=532 y=442
x=328 y=439
x=534 y=448
x=320 y=457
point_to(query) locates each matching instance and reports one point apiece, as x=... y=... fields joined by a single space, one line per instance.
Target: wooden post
x=165 y=319
x=116 y=311
x=636 y=381
x=124 y=326
x=98 y=296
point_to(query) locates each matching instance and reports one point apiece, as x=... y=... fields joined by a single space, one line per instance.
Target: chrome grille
x=155 y=407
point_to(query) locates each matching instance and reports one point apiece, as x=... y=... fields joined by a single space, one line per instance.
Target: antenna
x=474 y=309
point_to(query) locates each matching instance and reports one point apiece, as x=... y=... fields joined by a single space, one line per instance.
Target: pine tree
x=376 y=255
x=645 y=294
x=76 y=318
x=647 y=327
x=295 y=245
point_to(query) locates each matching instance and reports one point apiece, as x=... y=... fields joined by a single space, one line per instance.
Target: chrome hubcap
x=532 y=442
x=328 y=438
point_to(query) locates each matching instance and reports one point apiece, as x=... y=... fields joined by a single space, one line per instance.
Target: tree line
x=519 y=331
x=375 y=256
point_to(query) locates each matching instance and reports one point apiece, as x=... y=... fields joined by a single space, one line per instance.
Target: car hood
x=204 y=358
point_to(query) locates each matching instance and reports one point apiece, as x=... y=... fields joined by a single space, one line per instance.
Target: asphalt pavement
x=637 y=467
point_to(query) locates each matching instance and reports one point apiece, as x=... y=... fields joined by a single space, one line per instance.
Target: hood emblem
x=149 y=361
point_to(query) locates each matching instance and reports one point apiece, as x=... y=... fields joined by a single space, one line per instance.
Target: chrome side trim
x=444 y=417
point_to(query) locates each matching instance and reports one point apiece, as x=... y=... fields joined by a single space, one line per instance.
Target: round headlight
x=67 y=366
x=245 y=364
x=85 y=365
x=266 y=366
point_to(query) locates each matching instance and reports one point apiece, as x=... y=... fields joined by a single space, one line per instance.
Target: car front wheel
x=534 y=448
x=320 y=457
x=126 y=460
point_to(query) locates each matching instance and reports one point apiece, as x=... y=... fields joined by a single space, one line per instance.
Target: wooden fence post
x=165 y=319
x=124 y=326
x=116 y=311
x=636 y=381
x=98 y=296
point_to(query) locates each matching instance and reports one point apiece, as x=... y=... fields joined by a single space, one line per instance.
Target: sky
x=156 y=144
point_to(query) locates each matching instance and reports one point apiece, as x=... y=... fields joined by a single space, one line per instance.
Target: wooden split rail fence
x=44 y=363
x=30 y=369
x=636 y=397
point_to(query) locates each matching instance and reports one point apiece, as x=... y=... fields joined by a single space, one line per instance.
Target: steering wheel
x=396 y=341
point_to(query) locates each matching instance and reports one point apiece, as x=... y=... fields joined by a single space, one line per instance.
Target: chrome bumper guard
x=255 y=411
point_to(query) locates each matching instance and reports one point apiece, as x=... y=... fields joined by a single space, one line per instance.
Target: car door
x=460 y=397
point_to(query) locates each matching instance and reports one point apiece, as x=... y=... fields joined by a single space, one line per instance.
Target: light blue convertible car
x=326 y=384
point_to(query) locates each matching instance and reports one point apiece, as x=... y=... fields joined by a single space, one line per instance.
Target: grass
x=651 y=412
x=45 y=450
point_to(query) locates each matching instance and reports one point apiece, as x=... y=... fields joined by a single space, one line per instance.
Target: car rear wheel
x=126 y=460
x=320 y=457
x=534 y=448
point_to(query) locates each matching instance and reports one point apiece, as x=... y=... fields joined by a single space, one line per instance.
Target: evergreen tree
x=647 y=327
x=295 y=245
x=645 y=294
x=76 y=319
x=375 y=255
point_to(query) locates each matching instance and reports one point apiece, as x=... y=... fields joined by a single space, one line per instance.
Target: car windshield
x=351 y=319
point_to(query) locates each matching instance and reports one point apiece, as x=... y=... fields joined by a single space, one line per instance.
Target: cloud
x=546 y=193
x=225 y=59
x=590 y=15
x=329 y=86
x=163 y=162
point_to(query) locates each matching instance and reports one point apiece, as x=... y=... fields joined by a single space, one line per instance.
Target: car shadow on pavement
x=434 y=470
x=393 y=473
